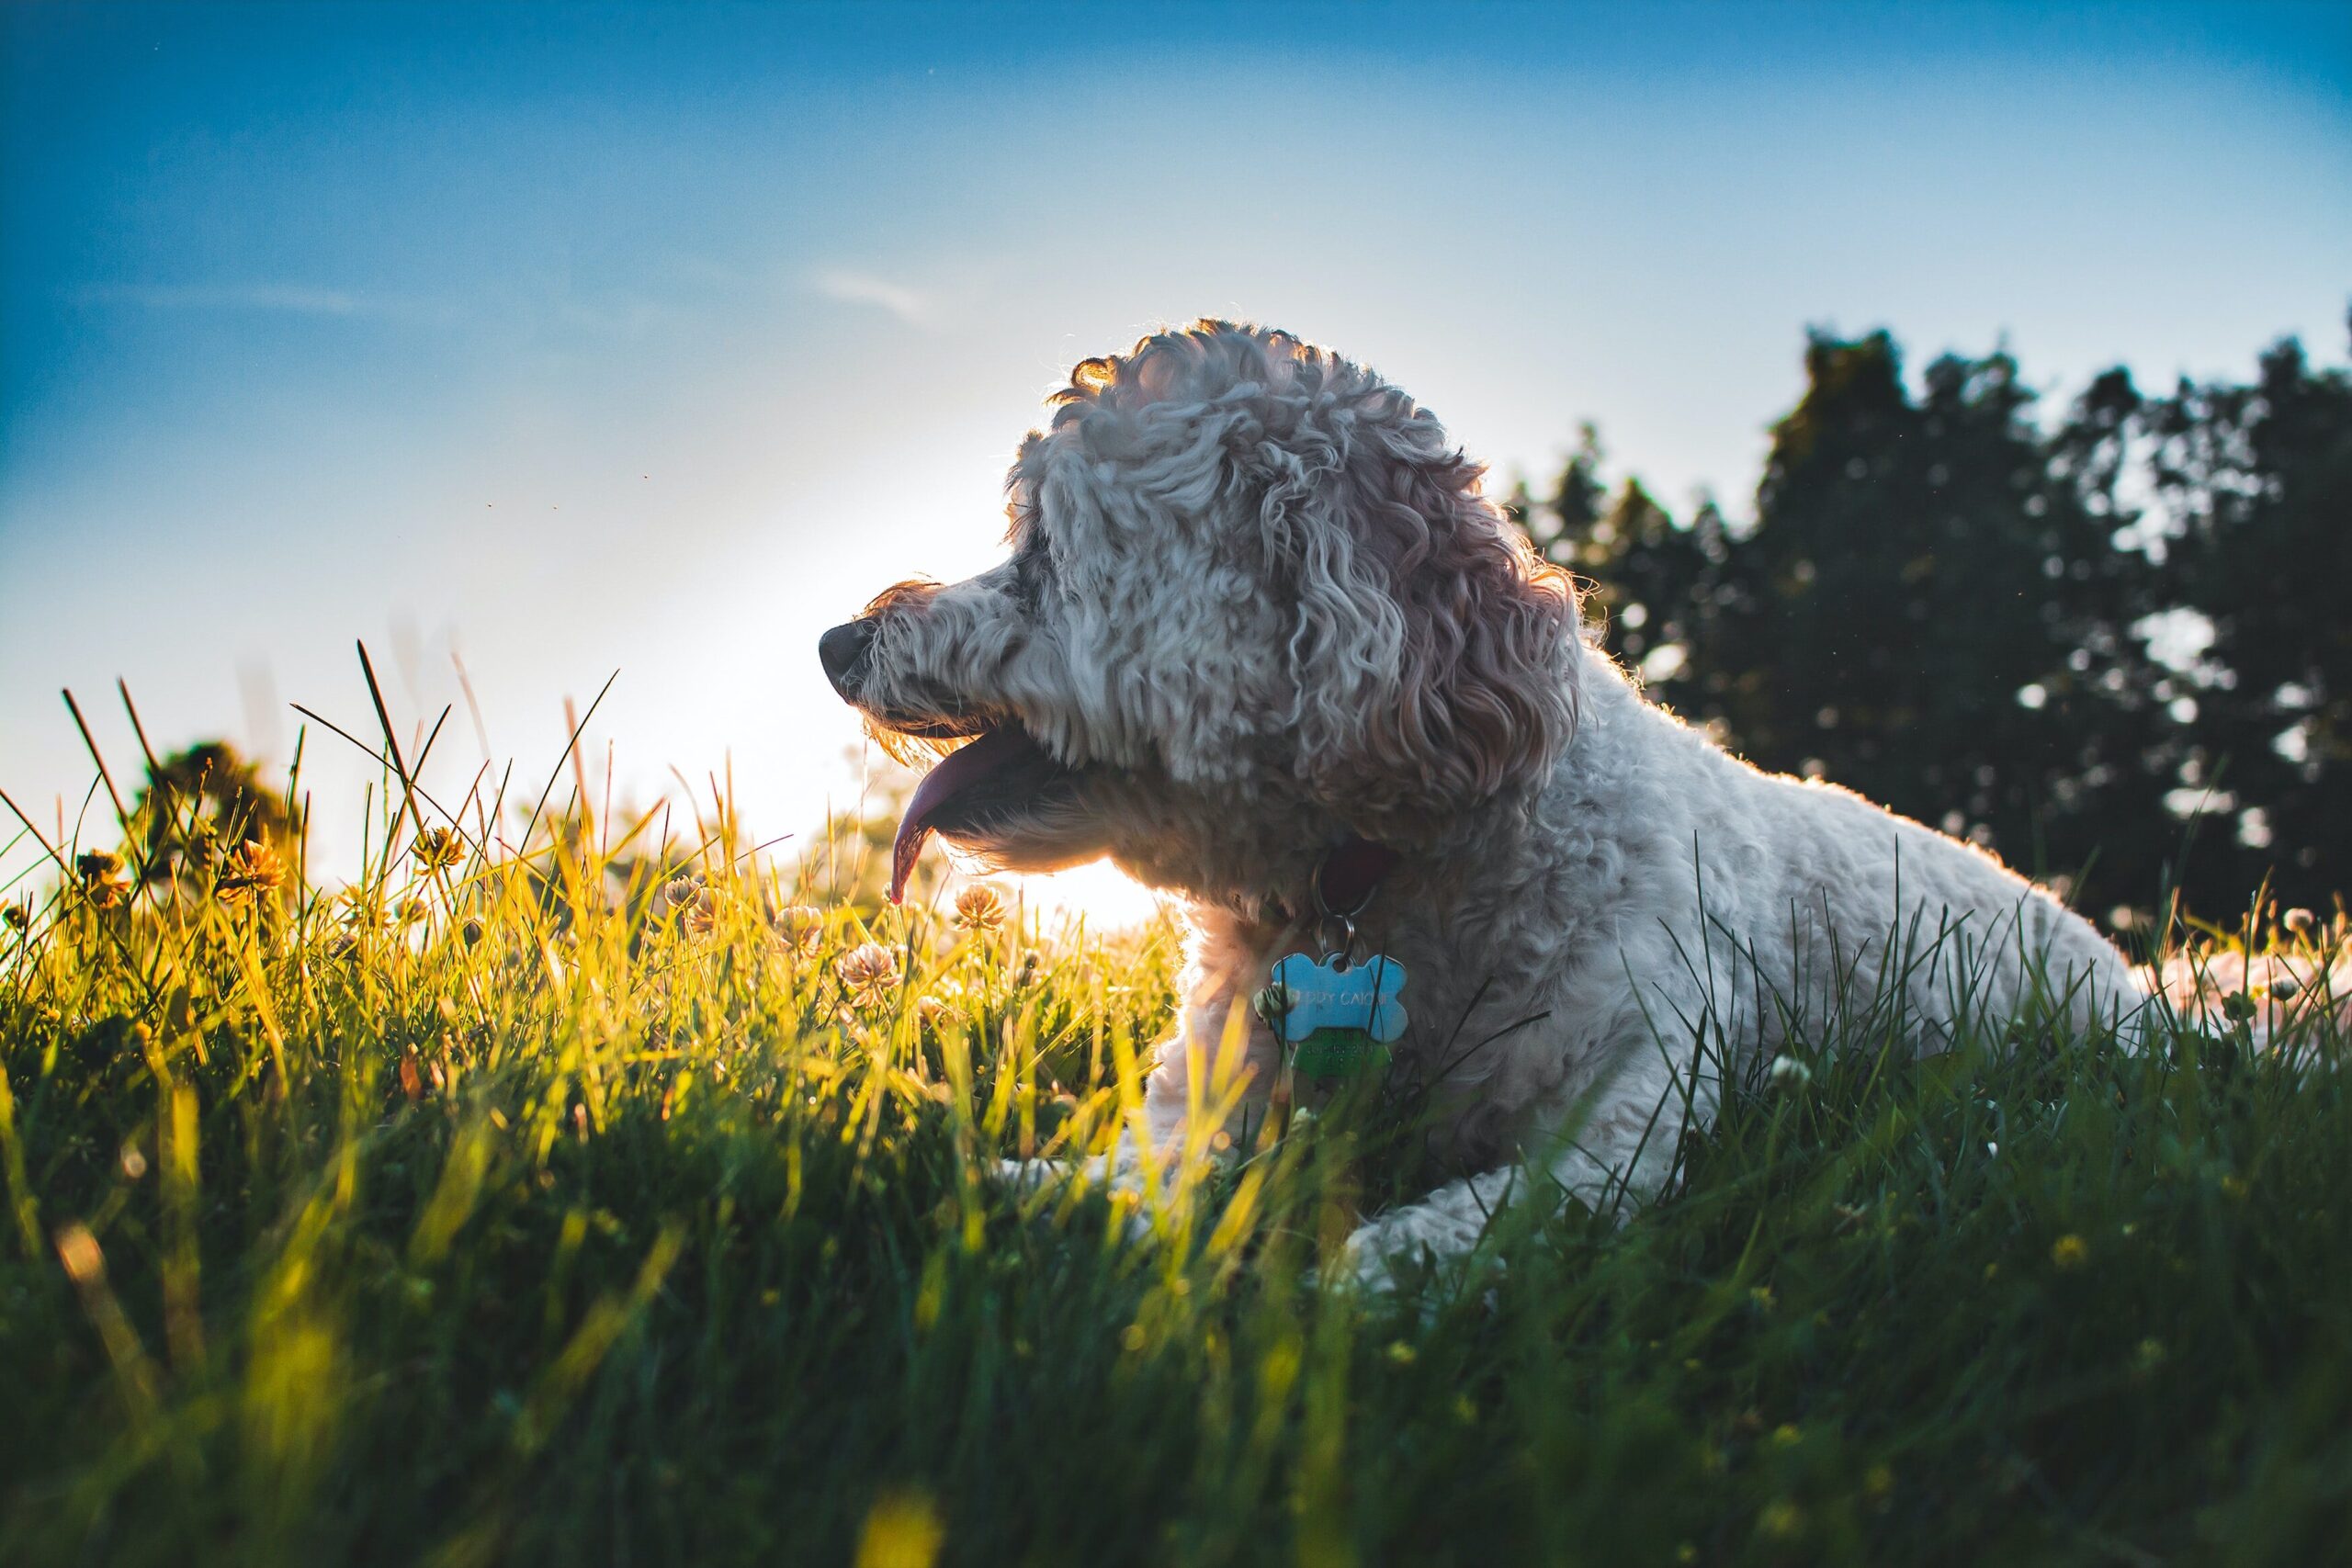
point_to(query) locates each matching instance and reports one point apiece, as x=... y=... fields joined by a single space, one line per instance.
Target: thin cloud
x=911 y=306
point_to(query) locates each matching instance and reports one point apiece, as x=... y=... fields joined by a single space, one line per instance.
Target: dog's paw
x=1375 y=1259
x=1027 y=1176
x=1023 y=1178
x=1402 y=1252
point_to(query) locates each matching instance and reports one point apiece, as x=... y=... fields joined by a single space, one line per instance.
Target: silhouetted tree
x=1981 y=622
x=2255 y=486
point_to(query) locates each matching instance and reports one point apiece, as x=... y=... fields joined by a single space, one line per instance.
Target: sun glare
x=1097 y=892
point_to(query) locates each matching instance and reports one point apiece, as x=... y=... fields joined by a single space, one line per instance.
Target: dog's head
x=1253 y=588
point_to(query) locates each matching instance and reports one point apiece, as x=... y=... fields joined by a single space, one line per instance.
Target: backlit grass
x=496 y=1209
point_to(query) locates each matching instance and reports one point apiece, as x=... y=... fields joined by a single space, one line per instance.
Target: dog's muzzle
x=844 y=651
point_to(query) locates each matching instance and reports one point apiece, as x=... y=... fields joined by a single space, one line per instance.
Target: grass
x=476 y=1216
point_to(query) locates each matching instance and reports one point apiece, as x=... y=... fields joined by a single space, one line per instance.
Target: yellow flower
x=99 y=882
x=436 y=847
x=979 y=908
x=252 y=869
x=867 y=971
x=902 y=1531
x=1781 y=1521
x=1786 y=1435
x=2070 y=1251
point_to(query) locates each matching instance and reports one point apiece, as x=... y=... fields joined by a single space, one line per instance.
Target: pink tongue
x=958 y=771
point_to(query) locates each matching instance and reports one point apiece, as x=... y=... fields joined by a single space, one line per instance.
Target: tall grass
x=501 y=1208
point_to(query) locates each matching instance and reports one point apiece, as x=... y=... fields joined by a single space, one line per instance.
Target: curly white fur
x=1258 y=603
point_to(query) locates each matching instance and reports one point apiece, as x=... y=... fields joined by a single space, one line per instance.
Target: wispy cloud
x=289 y=298
x=910 y=305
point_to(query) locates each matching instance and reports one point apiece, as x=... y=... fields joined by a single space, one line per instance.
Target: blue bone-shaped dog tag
x=1333 y=994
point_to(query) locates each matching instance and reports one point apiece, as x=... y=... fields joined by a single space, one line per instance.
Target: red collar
x=1350 y=873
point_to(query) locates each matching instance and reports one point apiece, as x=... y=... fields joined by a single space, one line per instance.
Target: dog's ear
x=1435 y=655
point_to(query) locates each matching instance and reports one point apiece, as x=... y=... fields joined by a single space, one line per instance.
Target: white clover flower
x=801 y=927
x=979 y=907
x=868 y=971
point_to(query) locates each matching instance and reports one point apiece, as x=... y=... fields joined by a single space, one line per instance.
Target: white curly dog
x=1263 y=641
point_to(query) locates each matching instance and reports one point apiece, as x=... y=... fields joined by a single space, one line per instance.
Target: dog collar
x=1350 y=873
x=1341 y=884
x=1336 y=1016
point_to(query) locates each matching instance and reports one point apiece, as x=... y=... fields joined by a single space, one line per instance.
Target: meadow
x=618 y=1195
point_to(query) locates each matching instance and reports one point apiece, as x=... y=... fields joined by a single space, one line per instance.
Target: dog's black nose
x=842 y=651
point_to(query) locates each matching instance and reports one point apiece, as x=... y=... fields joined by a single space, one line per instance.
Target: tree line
x=2113 y=646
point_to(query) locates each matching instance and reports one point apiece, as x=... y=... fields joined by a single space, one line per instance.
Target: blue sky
x=657 y=338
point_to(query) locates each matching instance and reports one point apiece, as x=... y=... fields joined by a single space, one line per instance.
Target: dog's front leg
x=1615 y=1157
x=1203 y=1080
